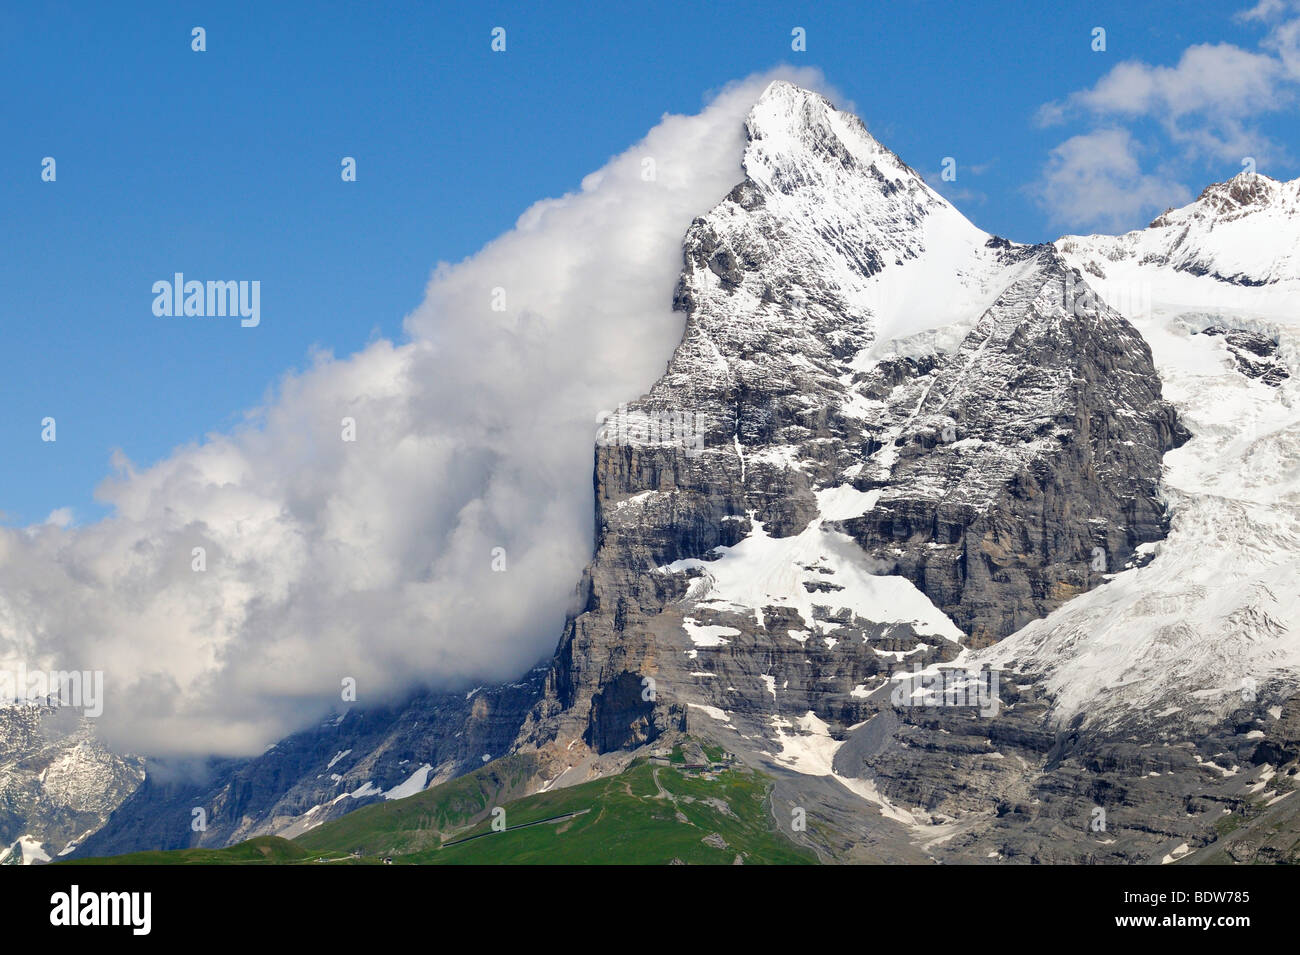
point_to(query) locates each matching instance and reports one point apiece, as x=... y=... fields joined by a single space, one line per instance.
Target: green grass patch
x=1227 y=824
x=649 y=814
x=263 y=850
x=623 y=820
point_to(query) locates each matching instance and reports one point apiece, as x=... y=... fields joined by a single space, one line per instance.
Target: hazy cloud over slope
x=373 y=559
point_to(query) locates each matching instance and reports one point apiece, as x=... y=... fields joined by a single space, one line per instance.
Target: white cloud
x=60 y=517
x=373 y=560
x=1206 y=104
x=1216 y=78
x=1284 y=42
x=1264 y=10
x=1206 y=107
x=1095 y=179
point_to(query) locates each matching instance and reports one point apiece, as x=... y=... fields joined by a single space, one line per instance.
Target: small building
x=694 y=757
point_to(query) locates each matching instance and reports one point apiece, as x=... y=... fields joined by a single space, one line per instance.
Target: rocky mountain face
x=1254 y=354
x=972 y=486
x=1229 y=234
x=987 y=552
x=58 y=783
x=359 y=757
x=855 y=504
x=1049 y=477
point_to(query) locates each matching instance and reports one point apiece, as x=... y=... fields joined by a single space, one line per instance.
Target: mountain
x=1232 y=233
x=662 y=810
x=1217 y=608
x=58 y=783
x=359 y=757
x=892 y=449
x=858 y=503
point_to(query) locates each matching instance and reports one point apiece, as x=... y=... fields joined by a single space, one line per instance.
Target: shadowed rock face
x=992 y=471
x=1001 y=465
x=1025 y=466
x=1254 y=354
x=319 y=774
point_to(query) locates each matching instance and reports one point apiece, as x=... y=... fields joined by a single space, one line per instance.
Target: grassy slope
x=264 y=850
x=616 y=820
x=625 y=821
x=406 y=825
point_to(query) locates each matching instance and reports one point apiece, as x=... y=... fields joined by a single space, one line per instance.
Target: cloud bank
x=377 y=559
x=1096 y=178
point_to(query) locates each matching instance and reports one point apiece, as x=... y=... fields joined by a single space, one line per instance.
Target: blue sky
x=225 y=164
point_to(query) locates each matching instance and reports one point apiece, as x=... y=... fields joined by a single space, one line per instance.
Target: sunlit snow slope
x=1215 y=616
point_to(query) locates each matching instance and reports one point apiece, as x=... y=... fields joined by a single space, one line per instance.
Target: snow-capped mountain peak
x=1243 y=194
x=1213 y=288
x=791 y=127
x=1244 y=232
x=822 y=197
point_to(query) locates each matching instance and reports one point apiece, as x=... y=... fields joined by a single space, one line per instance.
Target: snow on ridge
x=1217 y=604
x=415 y=783
x=808 y=748
x=705 y=635
x=1215 y=616
x=337 y=757
x=846 y=501
x=1245 y=228
x=762 y=571
x=936 y=267
x=31 y=851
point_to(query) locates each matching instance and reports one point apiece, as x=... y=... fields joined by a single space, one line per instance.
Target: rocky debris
x=1273 y=838
x=1281 y=743
x=1011 y=788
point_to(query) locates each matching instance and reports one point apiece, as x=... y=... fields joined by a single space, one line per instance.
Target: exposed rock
x=1000 y=476
x=58 y=783
x=891 y=442
x=319 y=774
x=1255 y=354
